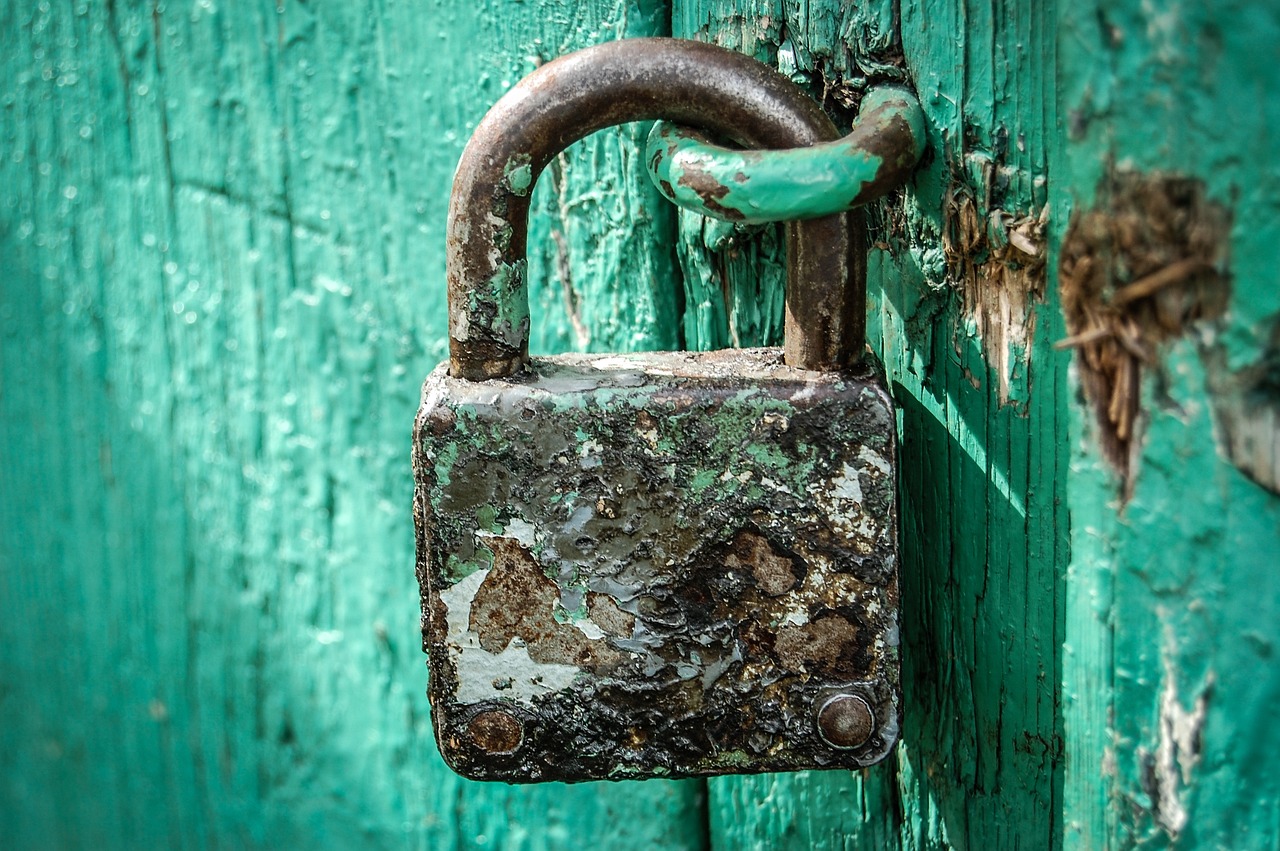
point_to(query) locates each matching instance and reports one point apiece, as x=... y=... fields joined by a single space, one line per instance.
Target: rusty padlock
x=659 y=564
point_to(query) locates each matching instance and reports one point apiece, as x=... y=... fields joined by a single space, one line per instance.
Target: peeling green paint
x=1172 y=603
x=985 y=542
x=459 y=569
x=519 y=174
x=505 y=294
x=221 y=284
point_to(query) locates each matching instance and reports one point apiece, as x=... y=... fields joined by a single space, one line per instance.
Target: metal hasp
x=659 y=564
x=881 y=150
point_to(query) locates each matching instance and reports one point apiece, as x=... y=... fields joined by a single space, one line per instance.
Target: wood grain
x=1080 y=673
x=221 y=242
x=221 y=282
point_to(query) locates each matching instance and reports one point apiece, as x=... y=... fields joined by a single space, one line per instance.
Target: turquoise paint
x=507 y=294
x=979 y=763
x=191 y=504
x=1172 y=600
x=755 y=187
x=519 y=175
x=221 y=284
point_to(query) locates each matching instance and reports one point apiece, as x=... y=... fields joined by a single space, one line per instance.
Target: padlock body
x=659 y=564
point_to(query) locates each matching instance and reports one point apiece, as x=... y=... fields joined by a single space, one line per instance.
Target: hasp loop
x=754 y=186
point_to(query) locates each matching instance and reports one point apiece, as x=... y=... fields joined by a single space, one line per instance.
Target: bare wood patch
x=999 y=262
x=1137 y=271
x=1167 y=772
x=1247 y=405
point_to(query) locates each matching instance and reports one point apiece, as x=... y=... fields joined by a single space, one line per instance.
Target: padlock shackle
x=687 y=82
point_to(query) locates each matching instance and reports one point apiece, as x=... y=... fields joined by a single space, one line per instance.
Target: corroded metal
x=695 y=84
x=657 y=564
x=664 y=564
x=846 y=721
x=879 y=153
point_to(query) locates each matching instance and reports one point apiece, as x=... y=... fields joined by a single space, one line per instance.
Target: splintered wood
x=1136 y=271
x=999 y=262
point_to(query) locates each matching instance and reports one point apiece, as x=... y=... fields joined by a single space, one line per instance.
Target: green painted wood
x=221 y=284
x=983 y=531
x=1080 y=672
x=1173 y=616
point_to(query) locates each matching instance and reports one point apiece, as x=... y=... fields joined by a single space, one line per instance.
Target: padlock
x=663 y=564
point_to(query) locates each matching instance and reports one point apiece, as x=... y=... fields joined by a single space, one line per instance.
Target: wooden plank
x=221 y=244
x=1173 y=616
x=983 y=429
x=1097 y=679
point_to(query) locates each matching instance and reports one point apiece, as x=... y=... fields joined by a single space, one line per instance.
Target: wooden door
x=221 y=234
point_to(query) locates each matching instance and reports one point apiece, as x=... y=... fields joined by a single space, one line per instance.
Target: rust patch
x=710 y=191
x=774 y=572
x=606 y=615
x=517 y=601
x=999 y=261
x=1136 y=271
x=824 y=646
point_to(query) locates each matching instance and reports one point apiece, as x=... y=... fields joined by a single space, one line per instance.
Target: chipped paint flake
x=1167 y=772
x=510 y=675
x=589 y=628
x=869 y=456
x=457 y=600
x=847 y=485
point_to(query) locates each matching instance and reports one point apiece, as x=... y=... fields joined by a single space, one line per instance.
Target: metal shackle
x=698 y=85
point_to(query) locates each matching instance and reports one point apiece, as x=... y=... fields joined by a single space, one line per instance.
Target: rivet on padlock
x=658 y=564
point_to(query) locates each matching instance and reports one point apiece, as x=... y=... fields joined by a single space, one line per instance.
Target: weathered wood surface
x=983 y=530
x=221 y=260
x=1094 y=679
x=1171 y=690
x=221 y=250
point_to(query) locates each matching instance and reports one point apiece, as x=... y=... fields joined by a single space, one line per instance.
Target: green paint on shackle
x=886 y=142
